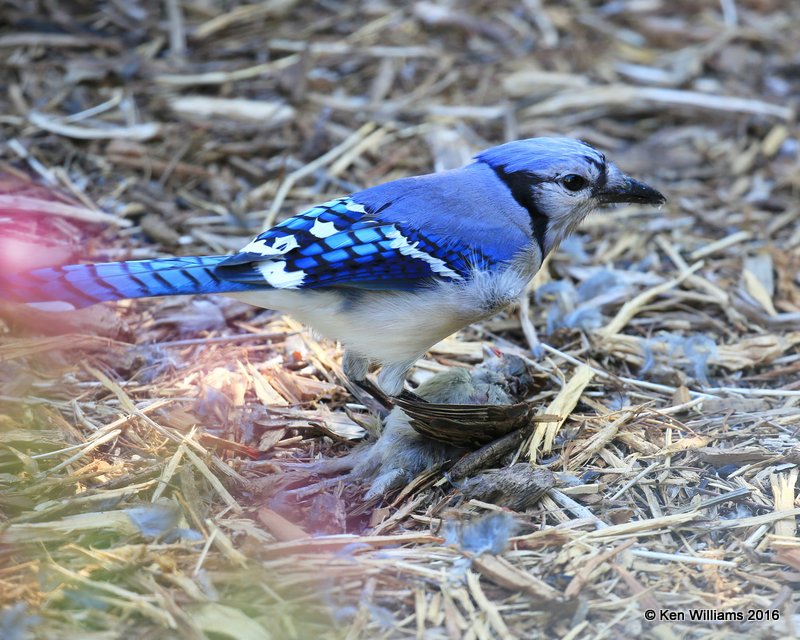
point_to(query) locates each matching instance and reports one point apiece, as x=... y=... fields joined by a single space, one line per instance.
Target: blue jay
x=390 y=270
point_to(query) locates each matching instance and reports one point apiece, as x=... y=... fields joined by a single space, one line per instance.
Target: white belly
x=384 y=326
x=393 y=326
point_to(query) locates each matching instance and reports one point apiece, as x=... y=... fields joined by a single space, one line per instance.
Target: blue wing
x=342 y=243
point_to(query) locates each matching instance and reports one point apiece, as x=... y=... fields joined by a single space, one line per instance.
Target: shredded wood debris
x=154 y=454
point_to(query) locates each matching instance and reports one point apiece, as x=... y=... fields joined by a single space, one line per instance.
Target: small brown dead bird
x=454 y=412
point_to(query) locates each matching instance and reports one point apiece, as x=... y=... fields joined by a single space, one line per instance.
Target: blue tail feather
x=82 y=285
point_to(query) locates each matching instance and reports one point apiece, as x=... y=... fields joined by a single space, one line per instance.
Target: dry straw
x=144 y=450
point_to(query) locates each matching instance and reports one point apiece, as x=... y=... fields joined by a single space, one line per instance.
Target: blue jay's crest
x=542 y=156
x=343 y=243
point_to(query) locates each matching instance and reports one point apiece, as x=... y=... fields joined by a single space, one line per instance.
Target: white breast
x=394 y=326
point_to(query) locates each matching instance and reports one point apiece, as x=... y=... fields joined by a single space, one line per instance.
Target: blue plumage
x=82 y=285
x=548 y=158
x=394 y=268
x=344 y=243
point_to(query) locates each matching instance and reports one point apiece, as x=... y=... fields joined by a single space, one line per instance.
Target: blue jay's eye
x=574 y=182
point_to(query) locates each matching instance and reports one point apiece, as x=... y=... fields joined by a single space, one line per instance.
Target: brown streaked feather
x=470 y=426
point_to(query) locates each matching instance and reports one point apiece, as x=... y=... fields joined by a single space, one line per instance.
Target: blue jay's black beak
x=626 y=189
x=619 y=187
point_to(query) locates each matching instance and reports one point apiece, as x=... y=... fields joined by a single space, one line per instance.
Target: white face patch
x=564 y=212
x=281 y=246
x=276 y=275
x=323 y=229
x=400 y=242
x=355 y=207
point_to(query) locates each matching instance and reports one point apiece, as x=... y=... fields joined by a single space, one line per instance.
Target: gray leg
x=355 y=369
x=355 y=366
x=393 y=376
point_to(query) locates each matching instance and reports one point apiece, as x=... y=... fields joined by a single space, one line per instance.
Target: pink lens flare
x=18 y=256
